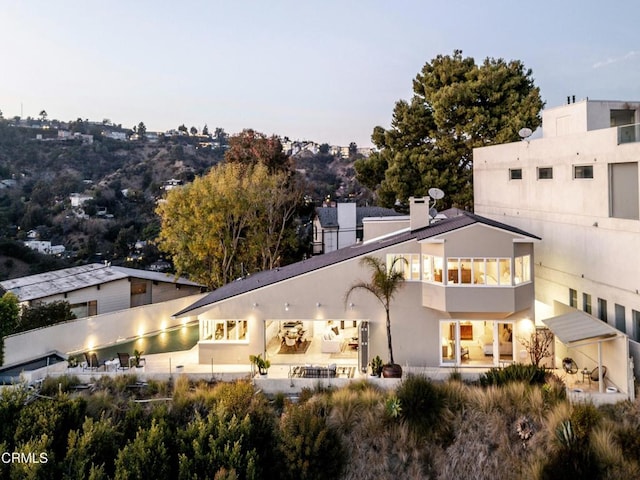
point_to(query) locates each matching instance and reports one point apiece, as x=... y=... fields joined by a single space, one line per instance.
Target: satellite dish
x=525 y=133
x=436 y=193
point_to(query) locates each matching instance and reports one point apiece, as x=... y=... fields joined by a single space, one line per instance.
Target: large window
x=85 y=309
x=463 y=271
x=225 y=331
x=409 y=267
x=522 y=269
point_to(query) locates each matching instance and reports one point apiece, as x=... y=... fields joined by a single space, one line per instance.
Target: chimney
x=418 y=212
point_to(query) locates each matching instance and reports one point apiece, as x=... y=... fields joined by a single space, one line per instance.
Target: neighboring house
x=342 y=225
x=468 y=296
x=45 y=247
x=97 y=288
x=122 y=136
x=578 y=188
x=77 y=199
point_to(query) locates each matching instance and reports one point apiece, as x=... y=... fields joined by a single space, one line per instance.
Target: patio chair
x=92 y=362
x=124 y=359
x=594 y=376
x=570 y=366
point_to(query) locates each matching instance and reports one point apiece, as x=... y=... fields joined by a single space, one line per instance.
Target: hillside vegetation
x=124 y=180
x=122 y=428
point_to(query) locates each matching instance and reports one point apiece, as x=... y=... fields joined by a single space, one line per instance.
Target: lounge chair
x=92 y=362
x=124 y=359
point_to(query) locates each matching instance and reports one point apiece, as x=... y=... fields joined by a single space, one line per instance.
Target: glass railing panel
x=629 y=133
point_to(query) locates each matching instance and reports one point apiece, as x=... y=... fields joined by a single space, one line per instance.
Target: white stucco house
x=577 y=187
x=467 y=298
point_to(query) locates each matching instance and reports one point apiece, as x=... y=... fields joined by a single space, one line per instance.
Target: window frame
x=539 y=170
x=512 y=171
x=582 y=177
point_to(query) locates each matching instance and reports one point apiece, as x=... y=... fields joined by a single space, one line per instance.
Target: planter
x=392 y=370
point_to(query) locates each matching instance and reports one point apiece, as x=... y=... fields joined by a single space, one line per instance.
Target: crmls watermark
x=20 y=457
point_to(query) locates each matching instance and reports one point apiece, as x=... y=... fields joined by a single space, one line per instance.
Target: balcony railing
x=629 y=133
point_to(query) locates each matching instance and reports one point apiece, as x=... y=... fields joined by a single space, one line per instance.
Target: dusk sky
x=326 y=70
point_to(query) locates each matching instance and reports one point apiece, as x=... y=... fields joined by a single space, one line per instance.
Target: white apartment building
x=576 y=187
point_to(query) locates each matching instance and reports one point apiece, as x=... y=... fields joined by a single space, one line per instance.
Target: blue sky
x=326 y=70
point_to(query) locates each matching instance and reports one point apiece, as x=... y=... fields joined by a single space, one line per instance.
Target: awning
x=578 y=327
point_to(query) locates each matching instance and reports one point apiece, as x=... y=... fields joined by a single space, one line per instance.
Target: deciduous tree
x=250 y=147
x=234 y=220
x=457 y=105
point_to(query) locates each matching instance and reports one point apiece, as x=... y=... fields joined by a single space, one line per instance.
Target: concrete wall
x=582 y=247
x=90 y=332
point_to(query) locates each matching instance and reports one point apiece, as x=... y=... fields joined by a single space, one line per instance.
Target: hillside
x=118 y=183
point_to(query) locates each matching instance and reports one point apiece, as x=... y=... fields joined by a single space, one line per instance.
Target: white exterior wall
x=347 y=224
x=582 y=247
x=90 y=332
x=111 y=296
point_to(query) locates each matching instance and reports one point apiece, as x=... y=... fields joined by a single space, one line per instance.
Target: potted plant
x=72 y=362
x=136 y=358
x=376 y=366
x=262 y=364
x=384 y=284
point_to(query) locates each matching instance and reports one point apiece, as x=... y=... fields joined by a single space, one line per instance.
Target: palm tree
x=383 y=285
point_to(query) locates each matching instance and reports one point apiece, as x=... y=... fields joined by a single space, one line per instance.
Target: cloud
x=610 y=61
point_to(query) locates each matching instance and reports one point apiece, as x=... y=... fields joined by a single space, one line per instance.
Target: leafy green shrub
x=55 y=385
x=516 y=372
x=309 y=449
x=422 y=403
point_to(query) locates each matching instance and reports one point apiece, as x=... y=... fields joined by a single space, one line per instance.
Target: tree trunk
x=389 y=337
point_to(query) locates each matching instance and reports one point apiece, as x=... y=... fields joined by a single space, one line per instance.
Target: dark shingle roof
x=269 y=277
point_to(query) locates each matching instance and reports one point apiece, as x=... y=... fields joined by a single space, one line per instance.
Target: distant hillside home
x=116 y=135
x=44 y=247
x=77 y=199
x=96 y=288
x=342 y=225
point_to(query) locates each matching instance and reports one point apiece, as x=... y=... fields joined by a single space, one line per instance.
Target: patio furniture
x=595 y=374
x=125 y=361
x=92 y=362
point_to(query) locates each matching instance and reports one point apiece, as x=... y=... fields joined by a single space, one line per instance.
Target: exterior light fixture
x=286 y=306
x=255 y=304
x=351 y=305
x=318 y=304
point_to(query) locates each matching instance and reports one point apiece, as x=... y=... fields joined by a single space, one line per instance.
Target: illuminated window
x=224 y=331
x=522 y=269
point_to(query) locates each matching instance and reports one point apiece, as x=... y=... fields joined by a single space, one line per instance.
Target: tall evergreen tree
x=457 y=106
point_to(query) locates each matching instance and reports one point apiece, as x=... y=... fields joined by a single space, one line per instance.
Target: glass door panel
x=449 y=342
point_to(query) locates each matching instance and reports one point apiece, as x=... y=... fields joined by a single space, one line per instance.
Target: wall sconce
x=318 y=304
x=255 y=304
x=351 y=305
x=286 y=306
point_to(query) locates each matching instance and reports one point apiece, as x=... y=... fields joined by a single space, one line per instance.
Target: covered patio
x=602 y=370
